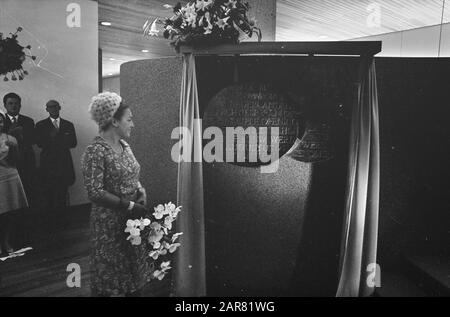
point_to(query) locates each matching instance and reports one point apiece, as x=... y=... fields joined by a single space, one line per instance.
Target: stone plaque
x=248 y=116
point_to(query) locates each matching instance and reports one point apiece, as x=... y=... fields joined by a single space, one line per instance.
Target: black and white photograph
x=225 y=154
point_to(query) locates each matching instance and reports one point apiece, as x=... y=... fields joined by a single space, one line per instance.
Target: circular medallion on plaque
x=254 y=120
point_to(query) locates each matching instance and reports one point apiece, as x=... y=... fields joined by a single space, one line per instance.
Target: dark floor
x=417 y=276
x=42 y=272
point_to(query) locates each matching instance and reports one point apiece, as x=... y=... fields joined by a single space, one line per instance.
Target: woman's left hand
x=142 y=196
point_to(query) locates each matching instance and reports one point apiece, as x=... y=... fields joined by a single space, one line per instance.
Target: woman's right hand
x=139 y=211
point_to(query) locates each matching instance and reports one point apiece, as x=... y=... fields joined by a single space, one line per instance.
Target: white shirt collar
x=11 y=118
x=57 y=119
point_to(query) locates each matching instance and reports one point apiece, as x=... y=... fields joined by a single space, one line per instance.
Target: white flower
x=171 y=30
x=168 y=222
x=155 y=236
x=174 y=247
x=154 y=255
x=227 y=10
x=175 y=212
x=159 y=274
x=175 y=236
x=222 y=23
x=189 y=15
x=205 y=18
x=170 y=208
x=146 y=222
x=162 y=251
x=203 y=4
x=165 y=266
x=143 y=223
x=154 y=30
x=156 y=226
x=150 y=28
x=231 y=4
x=136 y=240
x=135 y=232
x=208 y=29
x=159 y=212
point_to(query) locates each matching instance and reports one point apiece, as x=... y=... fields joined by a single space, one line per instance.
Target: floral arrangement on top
x=12 y=56
x=206 y=22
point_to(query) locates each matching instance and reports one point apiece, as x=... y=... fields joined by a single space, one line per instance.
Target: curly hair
x=103 y=107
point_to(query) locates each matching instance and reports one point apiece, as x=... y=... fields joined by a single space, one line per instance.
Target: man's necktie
x=55 y=123
x=14 y=120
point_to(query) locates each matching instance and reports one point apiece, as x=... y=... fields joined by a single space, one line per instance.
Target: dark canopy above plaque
x=349 y=48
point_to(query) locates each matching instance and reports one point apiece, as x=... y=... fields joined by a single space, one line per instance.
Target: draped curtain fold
x=359 y=242
x=190 y=267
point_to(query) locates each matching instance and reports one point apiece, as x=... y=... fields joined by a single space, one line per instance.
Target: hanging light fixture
x=12 y=55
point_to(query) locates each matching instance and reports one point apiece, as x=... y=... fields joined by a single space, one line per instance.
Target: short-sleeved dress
x=11 y=190
x=118 y=268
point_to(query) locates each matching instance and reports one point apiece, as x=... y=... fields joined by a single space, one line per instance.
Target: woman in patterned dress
x=111 y=178
x=12 y=194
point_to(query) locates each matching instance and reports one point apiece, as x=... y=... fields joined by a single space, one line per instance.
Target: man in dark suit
x=22 y=128
x=56 y=136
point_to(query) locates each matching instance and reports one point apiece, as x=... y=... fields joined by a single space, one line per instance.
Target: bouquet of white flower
x=209 y=22
x=158 y=232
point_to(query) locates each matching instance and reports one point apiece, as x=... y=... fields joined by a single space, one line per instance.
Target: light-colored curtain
x=190 y=268
x=359 y=245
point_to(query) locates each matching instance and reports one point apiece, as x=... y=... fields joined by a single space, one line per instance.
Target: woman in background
x=11 y=190
x=111 y=178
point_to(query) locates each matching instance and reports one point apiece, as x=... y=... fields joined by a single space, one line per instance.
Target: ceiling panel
x=297 y=20
x=124 y=41
x=336 y=20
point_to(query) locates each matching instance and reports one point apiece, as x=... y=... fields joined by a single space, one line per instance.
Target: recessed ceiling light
x=112 y=59
x=144 y=51
x=106 y=23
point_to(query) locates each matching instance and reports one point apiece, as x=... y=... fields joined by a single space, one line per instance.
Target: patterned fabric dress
x=12 y=194
x=118 y=268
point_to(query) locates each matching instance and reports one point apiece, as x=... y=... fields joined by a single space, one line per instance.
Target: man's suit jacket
x=25 y=136
x=56 y=165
